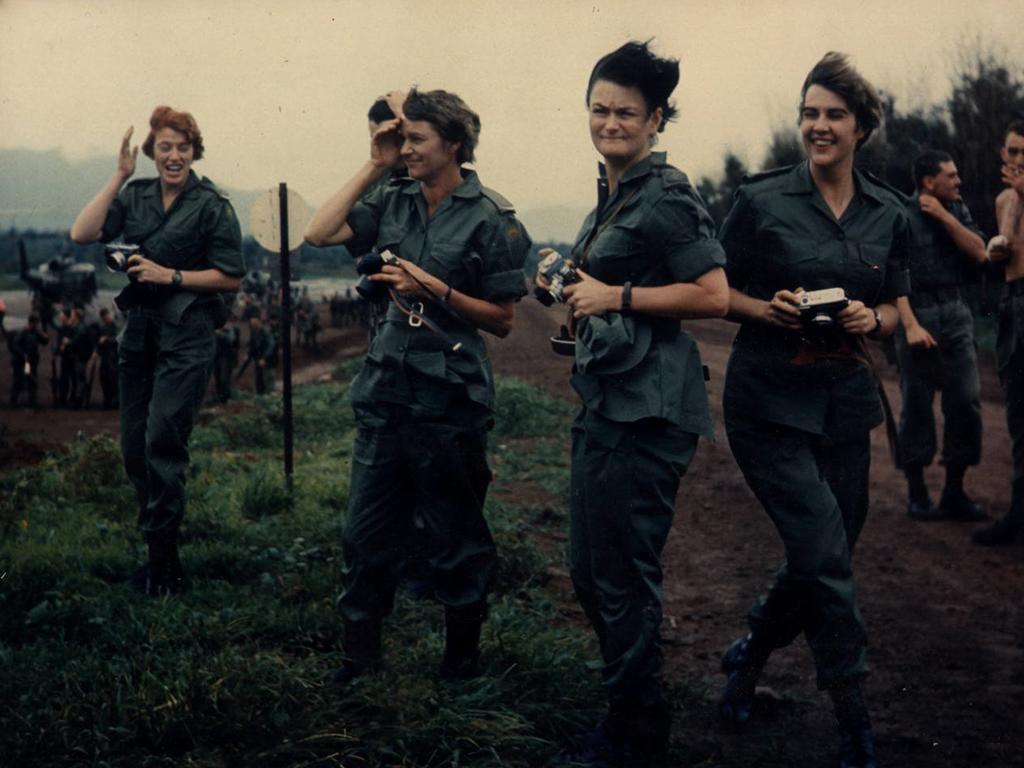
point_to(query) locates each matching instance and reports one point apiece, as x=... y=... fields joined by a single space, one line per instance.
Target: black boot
x=604 y=746
x=919 y=503
x=646 y=733
x=856 y=739
x=162 y=575
x=742 y=663
x=1009 y=528
x=462 y=626
x=362 y=650
x=955 y=503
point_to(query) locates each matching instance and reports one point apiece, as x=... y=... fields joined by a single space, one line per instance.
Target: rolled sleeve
x=225 y=244
x=736 y=236
x=364 y=221
x=897 y=267
x=503 y=277
x=683 y=231
x=113 y=224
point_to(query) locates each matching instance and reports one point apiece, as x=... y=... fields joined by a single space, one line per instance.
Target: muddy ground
x=944 y=616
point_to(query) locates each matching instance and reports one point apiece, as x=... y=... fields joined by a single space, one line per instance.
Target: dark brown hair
x=835 y=73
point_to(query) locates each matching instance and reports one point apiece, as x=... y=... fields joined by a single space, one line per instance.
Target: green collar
x=641 y=169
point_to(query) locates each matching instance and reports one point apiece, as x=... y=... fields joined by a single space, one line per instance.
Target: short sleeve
x=681 y=228
x=364 y=221
x=502 y=277
x=113 y=224
x=224 y=244
x=897 y=266
x=737 y=239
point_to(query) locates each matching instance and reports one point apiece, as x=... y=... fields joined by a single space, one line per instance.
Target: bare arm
x=88 y=226
x=707 y=296
x=143 y=271
x=409 y=280
x=967 y=241
x=917 y=335
x=329 y=225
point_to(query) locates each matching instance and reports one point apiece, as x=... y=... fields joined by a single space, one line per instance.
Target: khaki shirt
x=474 y=243
x=780 y=234
x=661 y=235
x=199 y=231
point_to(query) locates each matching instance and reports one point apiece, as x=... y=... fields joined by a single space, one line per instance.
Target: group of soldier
x=935 y=343
x=82 y=352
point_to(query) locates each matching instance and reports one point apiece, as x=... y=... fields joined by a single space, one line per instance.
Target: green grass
x=236 y=671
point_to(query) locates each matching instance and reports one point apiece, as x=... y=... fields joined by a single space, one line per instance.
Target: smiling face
x=620 y=125
x=828 y=127
x=944 y=185
x=173 y=154
x=426 y=155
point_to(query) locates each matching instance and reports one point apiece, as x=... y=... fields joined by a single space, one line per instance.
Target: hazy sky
x=281 y=89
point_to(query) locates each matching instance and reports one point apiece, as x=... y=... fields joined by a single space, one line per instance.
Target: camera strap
x=415 y=311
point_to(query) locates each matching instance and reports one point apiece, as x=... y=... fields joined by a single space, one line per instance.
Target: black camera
x=559 y=273
x=818 y=309
x=116 y=255
x=370 y=264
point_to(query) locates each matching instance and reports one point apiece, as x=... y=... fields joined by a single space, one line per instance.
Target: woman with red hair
x=189 y=251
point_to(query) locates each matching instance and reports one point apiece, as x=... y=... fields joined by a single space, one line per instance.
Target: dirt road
x=944 y=616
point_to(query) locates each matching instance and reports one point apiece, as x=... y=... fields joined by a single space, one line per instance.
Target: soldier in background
x=225 y=360
x=1008 y=247
x=935 y=340
x=106 y=353
x=262 y=354
x=24 y=347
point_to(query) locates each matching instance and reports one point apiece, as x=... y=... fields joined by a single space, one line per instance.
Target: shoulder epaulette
x=753 y=178
x=672 y=176
x=503 y=204
x=207 y=184
x=901 y=197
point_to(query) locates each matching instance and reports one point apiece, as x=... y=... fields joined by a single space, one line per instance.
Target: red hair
x=182 y=122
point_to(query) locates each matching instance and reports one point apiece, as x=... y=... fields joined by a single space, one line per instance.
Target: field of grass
x=236 y=671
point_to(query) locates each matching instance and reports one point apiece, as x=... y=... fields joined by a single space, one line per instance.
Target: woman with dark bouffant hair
x=189 y=250
x=800 y=396
x=646 y=257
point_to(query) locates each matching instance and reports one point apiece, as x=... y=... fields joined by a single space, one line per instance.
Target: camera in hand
x=818 y=309
x=370 y=264
x=559 y=273
x=116 y=255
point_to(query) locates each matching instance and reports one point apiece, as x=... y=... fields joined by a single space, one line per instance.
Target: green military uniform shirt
x=935 y=260
x=653 y=231
x=199 y=231
x=780 y=234
x=474 y=243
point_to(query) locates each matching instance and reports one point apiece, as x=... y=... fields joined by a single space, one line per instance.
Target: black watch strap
x=176 y=279
x=627 y=296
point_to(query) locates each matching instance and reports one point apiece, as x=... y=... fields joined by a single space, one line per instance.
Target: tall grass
x=236 y=671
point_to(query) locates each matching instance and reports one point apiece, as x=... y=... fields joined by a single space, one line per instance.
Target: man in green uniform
x=424 y=398
x=24 y=348
x=106 y=350
x=935 y=341
x=262 y=354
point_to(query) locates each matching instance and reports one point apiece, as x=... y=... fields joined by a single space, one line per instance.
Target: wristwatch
x=176 y=279
x=878 y=323
x=627 y=296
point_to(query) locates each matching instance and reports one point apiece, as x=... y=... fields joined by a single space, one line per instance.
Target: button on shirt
x=474 y=243
x=199 y=231
x=780 y=234
x=935 y=260
x=654 y=230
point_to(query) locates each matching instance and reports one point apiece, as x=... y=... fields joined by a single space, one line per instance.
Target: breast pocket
x=456 y=264
x=799 y=263
x=868 y=273
x=616 y=253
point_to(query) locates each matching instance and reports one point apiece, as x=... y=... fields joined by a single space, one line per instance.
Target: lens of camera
x=116 y=261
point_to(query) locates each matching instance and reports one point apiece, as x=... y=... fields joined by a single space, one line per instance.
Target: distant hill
x=43 y=190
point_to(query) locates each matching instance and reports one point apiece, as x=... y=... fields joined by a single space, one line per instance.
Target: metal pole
x=286 y=333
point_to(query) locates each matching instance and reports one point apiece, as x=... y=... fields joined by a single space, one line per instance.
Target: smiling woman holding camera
x=191 y=249
x=645 y=257
x=800 y=396
x=449 y=252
